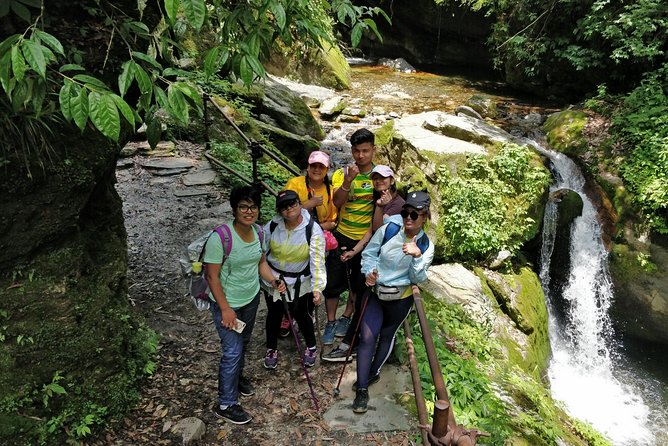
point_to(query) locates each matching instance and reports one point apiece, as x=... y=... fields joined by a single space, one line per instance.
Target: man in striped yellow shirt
x=353 y=195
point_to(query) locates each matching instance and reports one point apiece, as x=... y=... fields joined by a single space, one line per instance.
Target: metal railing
x=444 y=430
x=257 y=150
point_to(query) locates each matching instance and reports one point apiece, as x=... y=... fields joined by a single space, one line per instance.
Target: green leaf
x=172 y=8
x=48 y=54
x=177 y=104
x=145 y=86
x=71 y=67
x=79 y=109
x=139 y=28
x=38 y=95
x=256 y=65
x=245 y=71
x=356 y=34
x=51 y=41
x=190 y=91
x=90 y=81
x=104 y=115
x=5 y=71
x=153 y=132
x=215 y=58
x=148 y=59
x=64 y=99
x=279 y=14
x=18 y=64
x=371 y=24
x=176 y=72
x=195 y=12
x=21 y=94
x=32 y=51
x=6 y=44
x=161 y=97
x=21 y=11
x=125 y=109
x=126 y=76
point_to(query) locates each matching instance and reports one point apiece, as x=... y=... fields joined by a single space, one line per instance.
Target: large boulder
x=564 y=132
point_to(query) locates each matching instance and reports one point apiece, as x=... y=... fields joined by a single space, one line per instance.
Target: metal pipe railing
x=423 y=416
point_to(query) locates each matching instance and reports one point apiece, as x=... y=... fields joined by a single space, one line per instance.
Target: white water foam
x=582 y=368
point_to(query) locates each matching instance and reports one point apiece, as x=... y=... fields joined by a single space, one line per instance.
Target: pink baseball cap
x=319 y=157
x=382 y=170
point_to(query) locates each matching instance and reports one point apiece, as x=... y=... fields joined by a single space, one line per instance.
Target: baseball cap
x=318 y=157
x=383 y=171
x=417 y=199
x=286 y=197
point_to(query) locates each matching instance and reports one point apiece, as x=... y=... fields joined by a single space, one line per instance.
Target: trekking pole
x=314 y=399
x=317 y=328
x=337 y=390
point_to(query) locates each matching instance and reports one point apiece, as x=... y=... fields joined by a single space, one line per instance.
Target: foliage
x=642 y=121
x=43 y=80
x=486 y=207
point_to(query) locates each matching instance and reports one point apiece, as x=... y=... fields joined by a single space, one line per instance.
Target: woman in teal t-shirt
x=235 y=288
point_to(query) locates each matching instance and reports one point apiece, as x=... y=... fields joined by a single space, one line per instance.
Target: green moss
x=564 y=132
x=338 y=73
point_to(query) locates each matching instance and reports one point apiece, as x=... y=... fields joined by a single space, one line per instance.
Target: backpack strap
x=225 y=235
x=393 y=229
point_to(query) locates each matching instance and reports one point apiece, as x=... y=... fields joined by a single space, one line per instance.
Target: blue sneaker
x=328 y=335
x=342 y=326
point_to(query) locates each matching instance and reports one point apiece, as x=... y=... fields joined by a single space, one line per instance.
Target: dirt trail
x=184 y=384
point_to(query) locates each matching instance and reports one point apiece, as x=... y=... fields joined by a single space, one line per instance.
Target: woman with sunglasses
x=297 y=256
x=391 y=264
x=235 y=289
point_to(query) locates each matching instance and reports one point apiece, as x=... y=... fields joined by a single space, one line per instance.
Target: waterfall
x=585 y=371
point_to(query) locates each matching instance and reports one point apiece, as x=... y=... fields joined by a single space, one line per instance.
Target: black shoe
x=246 y=387
x=234 y=414
x=372 y=380
x=361 y=401
x=339 y=355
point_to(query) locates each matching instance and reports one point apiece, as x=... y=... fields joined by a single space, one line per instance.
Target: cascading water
x=585 y=370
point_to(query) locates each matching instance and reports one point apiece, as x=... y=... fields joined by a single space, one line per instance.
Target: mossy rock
x=564 y=132
x=483 y=105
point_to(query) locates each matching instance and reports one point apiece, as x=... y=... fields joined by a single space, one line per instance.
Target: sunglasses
x=288 y=205
x=412 y=214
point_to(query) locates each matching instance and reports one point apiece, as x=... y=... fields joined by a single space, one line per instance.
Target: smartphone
x=239 y=326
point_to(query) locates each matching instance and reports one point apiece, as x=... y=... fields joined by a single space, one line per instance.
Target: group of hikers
x=381 y=251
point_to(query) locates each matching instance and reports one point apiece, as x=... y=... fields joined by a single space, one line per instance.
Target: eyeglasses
x=245 y=208
x=412 y=214
x=288 y=205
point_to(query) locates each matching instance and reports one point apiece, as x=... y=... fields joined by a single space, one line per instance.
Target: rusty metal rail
x=444 y=430
x=257 y=150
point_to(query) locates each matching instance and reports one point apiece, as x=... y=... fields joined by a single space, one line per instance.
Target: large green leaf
x=148 y=59
x=177 y=104
x=91 y=81
x=126 y=77
x=256 y=65
x=71 y=67
x=64 y=99
x=104 y=115
x=214 y=59
x=161 y=97
x=125 y=109
x=79 y=109
x=21 y=11
x=279 y=14
x=245 y=71
x=172 y=8
x=145 y=86
x=38 y=95
x=356 y=34
x=5 y=71
x=18 y=63
x=51 y=41
x=195 y=12
x=6 y=44
x=189 y=91
x=32 y=51
x=153 y=132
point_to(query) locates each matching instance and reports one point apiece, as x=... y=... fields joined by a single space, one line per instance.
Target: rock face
x=564 y=132
x=426 y=33
x=63 y=304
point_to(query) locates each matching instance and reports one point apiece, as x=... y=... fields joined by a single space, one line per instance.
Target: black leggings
x=300 y=310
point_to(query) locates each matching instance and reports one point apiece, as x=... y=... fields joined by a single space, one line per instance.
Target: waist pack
x=388 y=293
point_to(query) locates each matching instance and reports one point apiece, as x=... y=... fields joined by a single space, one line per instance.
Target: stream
x=589 y=371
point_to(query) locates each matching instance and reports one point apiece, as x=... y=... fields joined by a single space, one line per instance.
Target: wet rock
x=332 y=106
x=124 y=163
x=190 y=192
x=400 y=64
x=199 y=178
x=163 y=148
x=174 y=163
x=468 y=111
x=500 y=258
x=484 y=105
x=349 y=119
x=168 y=172
x=465 y=128
x=287 y=109
x=354 y=111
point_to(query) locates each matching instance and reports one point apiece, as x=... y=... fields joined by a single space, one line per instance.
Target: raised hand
x=385 y=197
x=410 y=248
x=351 y=172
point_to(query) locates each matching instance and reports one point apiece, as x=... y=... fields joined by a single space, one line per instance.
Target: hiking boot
x=234 y=414
x=245 y=386
x=342 y=326
x=361 y=401
x=309 y=356
x=339 y=355
x=284 y=331
x=372 y=380
x=271 y=359
x=328 y=335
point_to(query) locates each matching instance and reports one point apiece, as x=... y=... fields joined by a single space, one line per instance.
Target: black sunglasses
x=412 y=214
x=288 y=205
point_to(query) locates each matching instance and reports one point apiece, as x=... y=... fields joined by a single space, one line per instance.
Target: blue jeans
x=234 y=347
